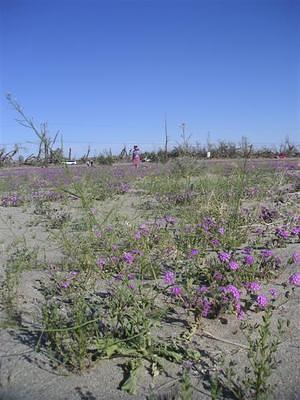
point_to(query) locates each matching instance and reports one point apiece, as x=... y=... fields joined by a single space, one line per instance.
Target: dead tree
x=166 y=138
x=46 y=143
x=123 y=153
x=7 y=157
x=86 y=156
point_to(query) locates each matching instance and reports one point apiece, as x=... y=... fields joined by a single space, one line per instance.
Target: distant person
x=136 y=159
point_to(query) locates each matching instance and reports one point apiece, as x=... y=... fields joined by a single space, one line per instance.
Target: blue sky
x=105 y=72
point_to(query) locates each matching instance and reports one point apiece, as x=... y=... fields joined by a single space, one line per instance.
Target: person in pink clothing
x=136 y=159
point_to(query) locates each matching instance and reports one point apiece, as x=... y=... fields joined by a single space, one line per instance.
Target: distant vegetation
x=223 y=149
x=49 y=152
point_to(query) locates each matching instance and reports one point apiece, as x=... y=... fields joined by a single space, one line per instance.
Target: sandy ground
x=27 y=375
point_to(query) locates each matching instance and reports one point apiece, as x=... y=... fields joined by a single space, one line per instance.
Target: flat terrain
x=115 y=244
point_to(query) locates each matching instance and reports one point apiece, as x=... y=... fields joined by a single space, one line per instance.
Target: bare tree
x=6 y=157
x=166 y=138
x=46 y=143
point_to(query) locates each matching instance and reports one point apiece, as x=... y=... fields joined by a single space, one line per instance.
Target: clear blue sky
x=105 y=72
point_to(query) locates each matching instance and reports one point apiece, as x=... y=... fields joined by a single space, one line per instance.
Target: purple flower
x=128 y=258
x=203 y=289
x=65 y=284
x=282 y=233
x=223 y=256
x=176 y=291
x=170 y=220
x=295 y=230
x=215 y=242
x=206 y=307
x=241 y=315
x=234 y=291
x=193 y=253
x=144 y=228
x=169 y=278
x=138 y=235
x=233 y=265
x=249 y=259
x=262 y=301
x=221 y=230
x=266 y=253
x=253 y=286
x=273 y=292
x=294 y=279
x=296 y=257
x=101 y=262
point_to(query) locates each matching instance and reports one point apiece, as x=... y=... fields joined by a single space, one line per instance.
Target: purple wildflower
x=215 y=242
x=193 y=253
x=282 y=233
x=295 y=230
x=144 y=228
x=262 y=301
x=206 y=307
x=296 y=257
x=176 y=291
x=224 y=256
x=234 y=291
x=138 y=235
x=273 y=292
x=170 y=220
x=66 y=284
x=241 y=315
x=101 y=262
x=221 y=230
x=203 y=289
x=294 y=279
x=249 y=259
x=253 y=286
x=169 y=278
x=128 y=258
x=233 y=265
x=266 y=253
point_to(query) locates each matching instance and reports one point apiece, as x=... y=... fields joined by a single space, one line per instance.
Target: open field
x=170 y=281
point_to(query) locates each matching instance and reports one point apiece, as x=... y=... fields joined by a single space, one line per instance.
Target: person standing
x=136 y=159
